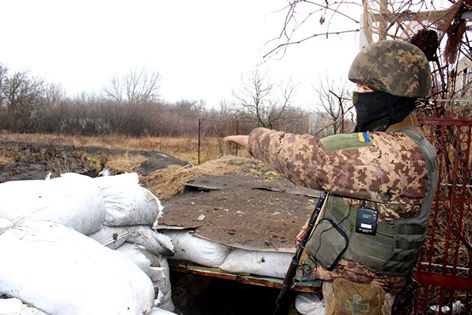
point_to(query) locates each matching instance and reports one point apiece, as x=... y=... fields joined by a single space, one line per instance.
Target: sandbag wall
x=79 y=245
x=204 y=252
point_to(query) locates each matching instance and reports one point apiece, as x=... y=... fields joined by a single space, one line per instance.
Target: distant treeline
x=30 y=105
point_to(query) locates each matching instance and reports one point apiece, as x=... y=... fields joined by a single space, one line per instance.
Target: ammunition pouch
x=327 y=243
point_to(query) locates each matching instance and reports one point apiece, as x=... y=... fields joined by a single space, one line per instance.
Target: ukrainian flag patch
x=348 y=141
x=363 y=136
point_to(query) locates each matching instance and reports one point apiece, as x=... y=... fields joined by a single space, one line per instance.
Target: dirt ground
x=24 y=160
x=241 y=211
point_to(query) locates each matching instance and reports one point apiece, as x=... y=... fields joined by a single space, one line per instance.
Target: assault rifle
x=285 y=297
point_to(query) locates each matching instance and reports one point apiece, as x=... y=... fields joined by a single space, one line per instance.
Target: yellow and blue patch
x=346 y=141
x=363 y=136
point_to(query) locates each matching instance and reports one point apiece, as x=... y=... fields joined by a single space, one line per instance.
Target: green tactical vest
x=394 y=249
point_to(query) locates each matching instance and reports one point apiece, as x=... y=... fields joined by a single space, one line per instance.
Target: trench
x=200 y=295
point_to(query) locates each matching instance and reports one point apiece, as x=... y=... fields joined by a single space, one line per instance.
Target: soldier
x=380 y=182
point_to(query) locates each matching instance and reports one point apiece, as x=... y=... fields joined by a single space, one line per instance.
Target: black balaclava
x=377 y=110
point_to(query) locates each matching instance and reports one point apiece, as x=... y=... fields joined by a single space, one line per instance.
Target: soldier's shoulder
x=347 y=141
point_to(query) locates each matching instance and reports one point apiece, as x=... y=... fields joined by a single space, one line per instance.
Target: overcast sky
x=200 y=48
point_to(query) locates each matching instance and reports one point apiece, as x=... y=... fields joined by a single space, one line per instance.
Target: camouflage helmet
x=393 y=66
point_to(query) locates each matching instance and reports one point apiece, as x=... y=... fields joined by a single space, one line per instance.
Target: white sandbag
x=196 y=249
x=309 y=304
x=141 y=258
x=127 y=202
x=31 y=310
x=112 y=236
x=269 y=264
x=63 y=272
x=72 y=200
x=14 y=306
x=5 y=224
x=160 y=311
x=156 y=268
x=154 y=242
x=10 y=306
x=164 y=298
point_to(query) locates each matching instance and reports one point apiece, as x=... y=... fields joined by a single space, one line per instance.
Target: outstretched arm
x=239 y=139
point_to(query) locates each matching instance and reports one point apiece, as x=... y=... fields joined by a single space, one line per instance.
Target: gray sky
x=200 y=48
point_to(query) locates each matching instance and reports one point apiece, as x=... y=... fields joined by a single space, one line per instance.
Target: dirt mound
x=25 y=160
x=167 y=182
x=236 y=201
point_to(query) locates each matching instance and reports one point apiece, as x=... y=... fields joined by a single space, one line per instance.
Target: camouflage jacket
x=387 y=168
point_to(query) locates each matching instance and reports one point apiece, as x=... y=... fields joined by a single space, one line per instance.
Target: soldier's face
x=361 y=88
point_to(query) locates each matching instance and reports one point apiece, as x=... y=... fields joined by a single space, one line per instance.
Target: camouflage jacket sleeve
x=385 y=167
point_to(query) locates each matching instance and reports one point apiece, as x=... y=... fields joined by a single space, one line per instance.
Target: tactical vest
x=394 y=249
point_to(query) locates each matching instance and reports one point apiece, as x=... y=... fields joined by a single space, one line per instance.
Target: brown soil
x=243 y=212
x=24 y=160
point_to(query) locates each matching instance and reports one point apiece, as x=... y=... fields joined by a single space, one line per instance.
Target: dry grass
x=125 y=163
x=4 y=159
x=183 y=148
x=163 y=182
x=167 y=182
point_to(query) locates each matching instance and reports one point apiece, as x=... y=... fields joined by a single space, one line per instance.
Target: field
x=183 y=148
x=34 y=156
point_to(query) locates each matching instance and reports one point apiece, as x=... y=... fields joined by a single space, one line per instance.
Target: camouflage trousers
x=343 y=297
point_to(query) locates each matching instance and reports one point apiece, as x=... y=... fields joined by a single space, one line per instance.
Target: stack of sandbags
x=200 y=251
x=127 y=202
x=54 y=267
x=72 y=200
x=130 y=212
x=61 y=271
x=212 y=254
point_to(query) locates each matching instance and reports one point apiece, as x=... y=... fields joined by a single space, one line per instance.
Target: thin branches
x=298 y=22
x=278 y=47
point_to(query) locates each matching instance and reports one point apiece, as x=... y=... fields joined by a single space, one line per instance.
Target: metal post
x=237 y=132
x=199 y=137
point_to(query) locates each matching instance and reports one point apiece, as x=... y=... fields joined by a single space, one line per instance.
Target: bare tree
x=188 y=108
x=335 y=98
x=54 y=94
x=258 y=100
x=135 y=87
x=3 y=78
x=305 y=20
x=22 y=98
